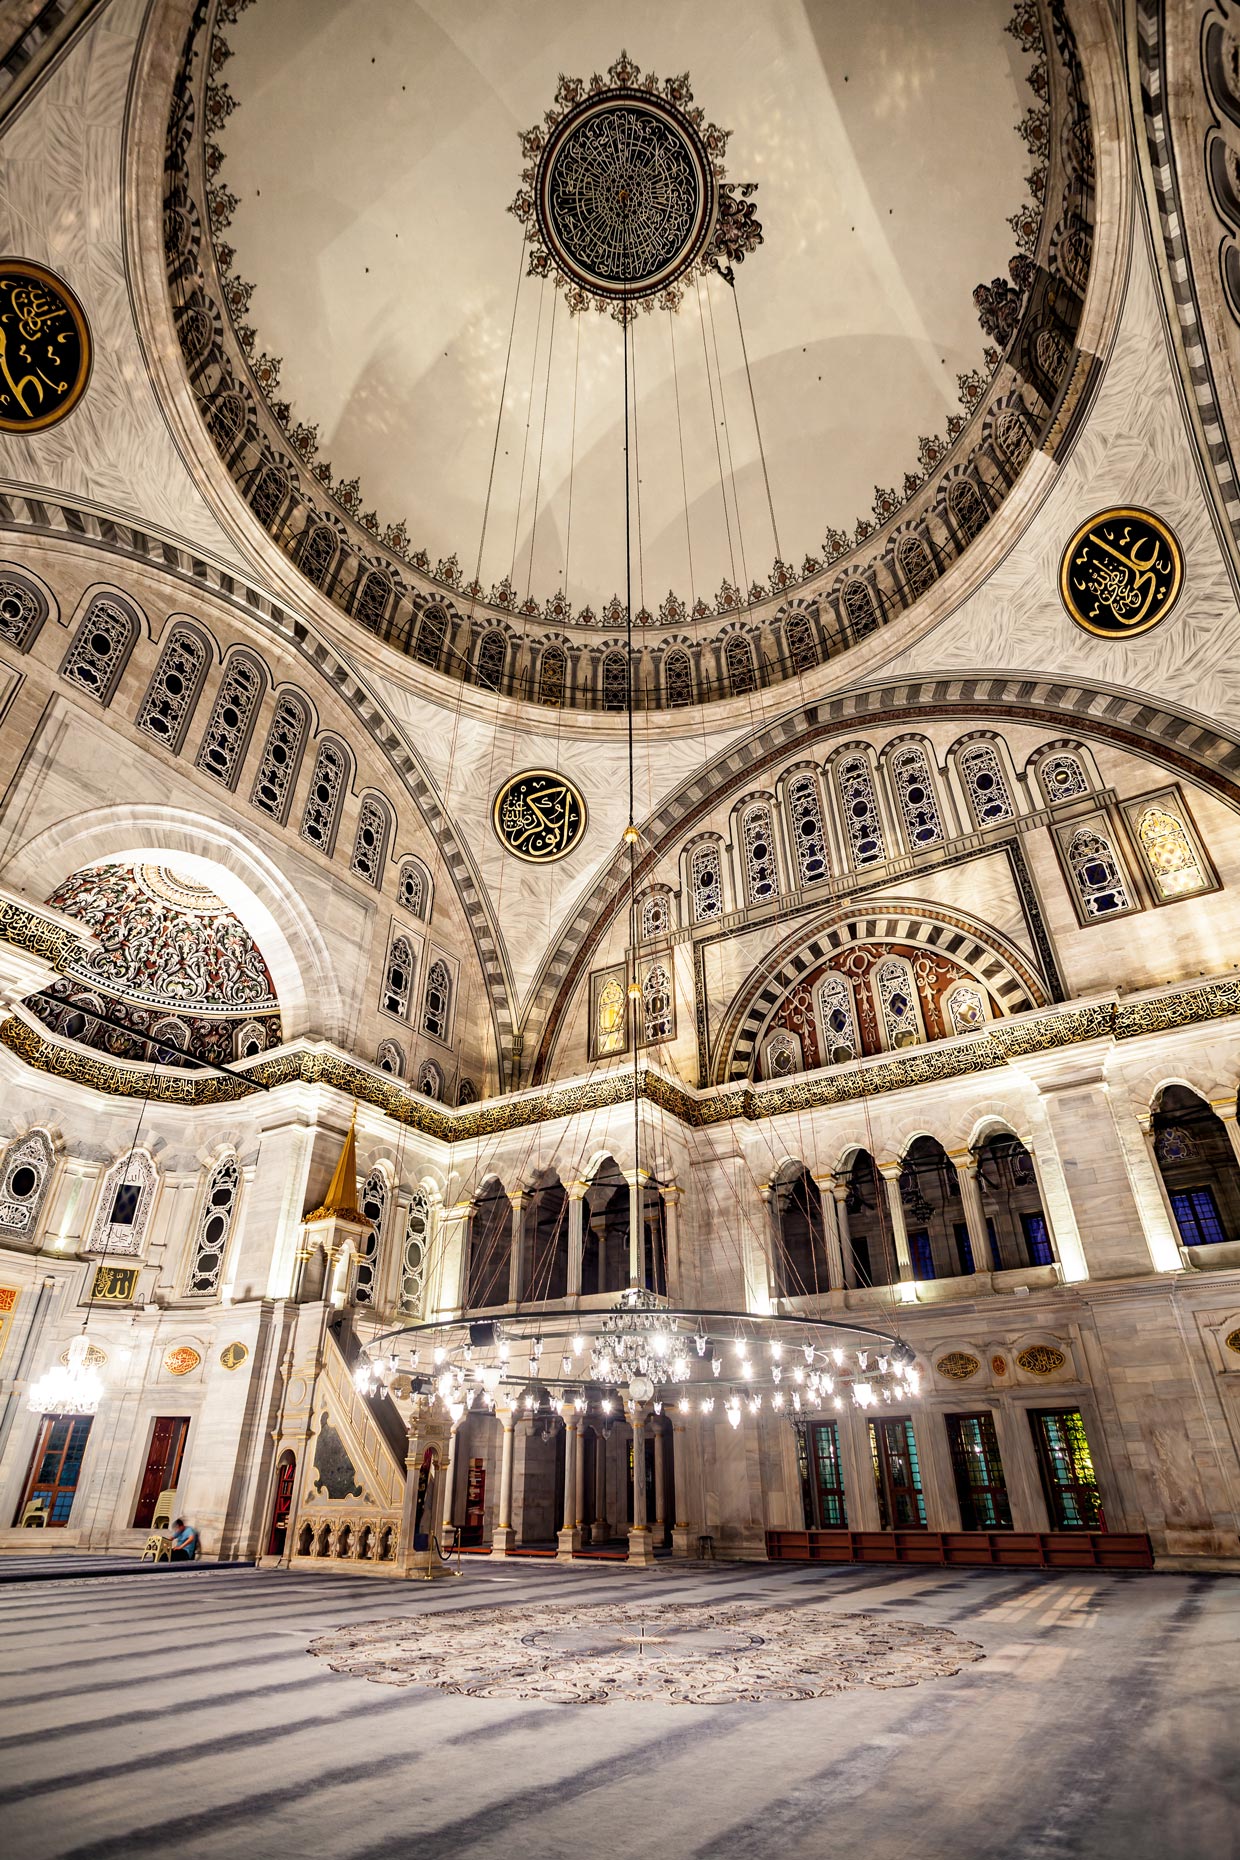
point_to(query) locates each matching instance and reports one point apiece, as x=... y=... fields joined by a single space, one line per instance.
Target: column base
x=684 y=1540
x=641 y=1548
x=567 y=1543
x=600 y=1531
x=417 y=1566
x=502 y=1541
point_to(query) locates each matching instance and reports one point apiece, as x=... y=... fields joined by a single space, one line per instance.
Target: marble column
x=660 y=1498
x=503 y=1536
x=1225 y=1109
x=448 y=1474
x=684 y=1529
x=579 y=1480
x=890 y=1172
x=576 y=1235
x=637 y=1180
x=568 y=1538
x=965 y=1163
x=839 y=1195
x=412 y=1561
x=671 y=1224
x=826 y=1185
x=517 y=1248
x=641 y=1546
x=600 y=1529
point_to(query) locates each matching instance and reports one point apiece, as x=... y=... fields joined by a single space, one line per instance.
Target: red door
x=163 y=1466
x=282 y=1507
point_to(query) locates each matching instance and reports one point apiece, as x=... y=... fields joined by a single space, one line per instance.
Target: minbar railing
x=995 y=1549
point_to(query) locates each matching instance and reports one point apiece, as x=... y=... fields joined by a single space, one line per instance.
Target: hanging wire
x=714 y=425
x=542 y=440
x=525 y=444
x=684 y=481
x=727 y=434
x=766 y=479
x=572 y=463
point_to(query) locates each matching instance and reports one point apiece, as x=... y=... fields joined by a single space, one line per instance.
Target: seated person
x=184 y=1540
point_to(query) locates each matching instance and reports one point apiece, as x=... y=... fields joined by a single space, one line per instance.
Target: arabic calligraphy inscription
x=539 y=816
x=44 y=347
x=1121 y=573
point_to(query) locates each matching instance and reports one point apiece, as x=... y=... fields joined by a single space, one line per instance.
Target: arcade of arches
x=335 y=1000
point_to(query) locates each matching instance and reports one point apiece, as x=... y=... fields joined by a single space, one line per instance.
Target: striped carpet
x=185 y=1718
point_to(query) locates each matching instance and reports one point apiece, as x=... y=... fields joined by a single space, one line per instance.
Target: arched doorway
x=282 y=1503
x=868 y=1240
x=1012 y=1203
x=1198 y=1168
x=605 y=1237
x=800 y=1235
x=546 y=1240
x=934 y=1219
x=490 y=1247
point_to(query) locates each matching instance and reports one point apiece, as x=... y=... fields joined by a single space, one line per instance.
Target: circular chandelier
x=640 y=1352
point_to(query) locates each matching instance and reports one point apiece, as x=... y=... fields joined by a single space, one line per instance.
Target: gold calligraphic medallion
x=45 y=348
x=181 y=1359
x=539 y=816
x=233 y=1355
x=1121 y=573
x=114 y=1284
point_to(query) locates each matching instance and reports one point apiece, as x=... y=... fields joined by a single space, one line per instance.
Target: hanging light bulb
x=838 y=1358
x=708 y=1404
x=863 y=1394
x=566 y=1364
x=579 y=1403
x=777 y=1399
x=456 y=1409
x=777 y=1350
x=807 y=1350
x=441 y=1355
x=796 y=1401
x=776 y=1373
x=579 y=1344
x=606 y=1404
x=700 y=1342
x=716 y=1364
x=747 y=1370
x=741 y=1348
x=839 y=1401
x=658 y=1407
x=755 y=1403
x=504 y=1348
x=733 y=1414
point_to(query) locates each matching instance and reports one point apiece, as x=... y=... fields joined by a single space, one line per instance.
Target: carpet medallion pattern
x=680 y=1654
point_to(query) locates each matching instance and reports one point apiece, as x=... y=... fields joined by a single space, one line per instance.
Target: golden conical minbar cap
x=341 y=1198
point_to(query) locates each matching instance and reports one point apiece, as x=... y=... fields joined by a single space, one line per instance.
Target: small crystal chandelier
x=72 y=1387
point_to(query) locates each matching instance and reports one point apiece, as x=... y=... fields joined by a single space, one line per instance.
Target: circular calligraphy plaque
x=45 y=350
x=1121 y=573
x=233 y=1355
x=539 y=816
x=625 y=195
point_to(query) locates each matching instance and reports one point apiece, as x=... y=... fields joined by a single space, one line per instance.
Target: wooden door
x=163 y=1465
x=56 y=1464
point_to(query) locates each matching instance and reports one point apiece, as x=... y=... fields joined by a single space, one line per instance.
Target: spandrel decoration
x=539 y=816
x=45 y=350
x=1121 y=573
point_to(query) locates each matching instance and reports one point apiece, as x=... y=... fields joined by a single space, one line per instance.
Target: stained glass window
x=413 y=888
x=398 y=977
x=980 y=1485
x=860 y=808
x=173 y=691
x=967 y=508
x=1096 y=873
x=228 y=733
x=706 y=883
x=372 y=600
x=897 y=1001
x=268 y=496
x=758 y=841
x=982 y=773
x=615 y=682
x=22 y=610
x=214 y=1226
x=551 y=673
x=915 y=792
x=609 y=1017
x=317 y=552
x=678 y=679
x=839 y=1018
x=915 y=565
x=809 y=837
x=1012 y=438
x=1062 y=776
x=966 y=1011
x=370 y=840
x=374 y=1202
x=437 y=1001
x=277 y=771
x=327 y=785
x=1176 y=869
x=1197 y=1216
x=802 y=648
x=413 y=1255
x=124 y=1205
x=491 y=656
x=1037 y=1239
x=781 y=1055
x=24 y=1176
x=859 y=606
x=657 y=1004
x=431 y=634
x=739 y=663
x=656 y=914
x=101 y=645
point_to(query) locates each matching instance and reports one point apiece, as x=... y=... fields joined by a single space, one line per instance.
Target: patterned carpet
x=142 y=1717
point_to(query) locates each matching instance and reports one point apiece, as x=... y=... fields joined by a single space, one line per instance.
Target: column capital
x=518 y=1198
x=965 y=1160
x=577 y=1191
x=1224 y=1108
x=636 y=1178
x=841 y=1187
x=891 y=1171
x=672 y=1191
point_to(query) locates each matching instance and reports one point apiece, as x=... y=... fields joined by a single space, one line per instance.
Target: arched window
x=281 y=757
x=366 y=1265
x=915 y=565
x=739 y=663
x=1051 y=353
x=25 y=1174
x=656 y=918
x=1176 y=870
x=317 y=553
x=430 y=1080
x=657 y=1004
x=809 y=835
x=226 y=422
x=227 y=735
x=609 y=1028
x=413 y=888
x=22 y=611
x=914 y=787
x=214 y=1226
x=432 y=632
x=373 y=598
x=758 y=842
x=323 y=803
x=390 y=1059
x=838 y=1013
x=437 y=1001
x=1013 y=439
x=801 y=1248
x=466 y=1093
x=802 y=646
x=268 y=497
x=1020 y=1235
x=1096 y=874
x=1062 y=776
x=100 y=649
x=551 y=676
x=250 y=1040
x=706 y=882
x=489 y=670
x=859 y=606
x=170 y=1033
x=1198 y=1168
x=678 y=679
x=982 y=773
x=370 y=841
x=859 y=804
x=173 y=691
x=398 y=978
x=615 y=682
x=966 y=507
x=964 y=1008
x=413 y=1255
x=124 y=1205
x=490 y=1247
x=896 y=994
x=781 y=1055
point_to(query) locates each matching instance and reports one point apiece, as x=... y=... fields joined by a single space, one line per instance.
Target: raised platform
x=997 y=1549
x=64 y=1566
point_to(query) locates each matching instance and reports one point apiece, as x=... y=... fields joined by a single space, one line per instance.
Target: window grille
x=1096 y=874
x=915 y=793
x=214 y=1227
x=370 y=841
x=173 y=691
x=860 y=808
x=706 y=883
x=983 y=777
x=101 y=646
x=281 y=757
x=809 y=835
x=323 y=803
x=228 y=732
x=758 y=841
